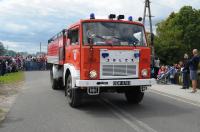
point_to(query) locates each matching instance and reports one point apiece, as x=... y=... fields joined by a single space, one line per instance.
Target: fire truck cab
x=100 y=55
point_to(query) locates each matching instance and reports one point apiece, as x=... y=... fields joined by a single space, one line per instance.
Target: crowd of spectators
x=10 y=64
x=167 y=73
x=35 y=63
x=181 y=73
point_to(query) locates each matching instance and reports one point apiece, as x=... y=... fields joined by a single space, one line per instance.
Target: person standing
x=172 y=74
x=156 y=66
x=185 y=72
x=193 y=66
x=1 y=66
x=3 y=72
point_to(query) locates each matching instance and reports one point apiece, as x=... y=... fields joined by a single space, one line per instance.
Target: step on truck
x=100 y=55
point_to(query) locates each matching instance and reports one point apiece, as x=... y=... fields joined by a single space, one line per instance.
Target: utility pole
x=148 y=8
x=40 y=48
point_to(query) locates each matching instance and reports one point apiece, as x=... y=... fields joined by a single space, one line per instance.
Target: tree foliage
x=2 y=49
x=178 y=34
x=11 y=53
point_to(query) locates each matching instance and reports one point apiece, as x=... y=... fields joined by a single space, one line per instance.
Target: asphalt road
x=38 y=108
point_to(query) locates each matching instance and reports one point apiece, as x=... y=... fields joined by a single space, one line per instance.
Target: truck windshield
x=109 y=33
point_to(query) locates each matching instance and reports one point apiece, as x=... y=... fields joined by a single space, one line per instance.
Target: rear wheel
x=73 y=95
x=54 y=82
x=134 y=96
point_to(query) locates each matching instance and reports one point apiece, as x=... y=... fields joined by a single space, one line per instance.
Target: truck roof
x=93 y=20
x=104 y=20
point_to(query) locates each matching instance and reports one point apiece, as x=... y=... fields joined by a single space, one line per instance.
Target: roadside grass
x=12 y=78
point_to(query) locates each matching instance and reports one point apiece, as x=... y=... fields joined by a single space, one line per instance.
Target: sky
x=26 y=23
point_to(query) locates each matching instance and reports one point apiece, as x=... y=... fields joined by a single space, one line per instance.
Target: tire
x=134 y=96
x=73 y=95
x=54 y=82
x=60 y=84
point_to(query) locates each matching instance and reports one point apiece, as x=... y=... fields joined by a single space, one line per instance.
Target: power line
x=40 y=48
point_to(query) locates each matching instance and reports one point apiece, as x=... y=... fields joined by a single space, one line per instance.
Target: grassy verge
x=12 y=78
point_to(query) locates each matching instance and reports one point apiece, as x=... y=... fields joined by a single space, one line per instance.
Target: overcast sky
x=26 y=23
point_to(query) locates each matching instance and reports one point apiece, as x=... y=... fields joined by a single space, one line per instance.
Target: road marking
x=121 y=114
x=175 y=98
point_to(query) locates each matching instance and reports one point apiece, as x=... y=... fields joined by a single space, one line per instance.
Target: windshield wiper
x=134 y=44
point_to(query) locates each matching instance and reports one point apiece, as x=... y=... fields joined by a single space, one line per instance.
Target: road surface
x=38 y=108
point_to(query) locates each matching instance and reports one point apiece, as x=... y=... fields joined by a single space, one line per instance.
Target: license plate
x=121 y=83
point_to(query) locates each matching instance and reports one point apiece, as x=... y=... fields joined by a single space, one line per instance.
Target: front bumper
x=114 y=83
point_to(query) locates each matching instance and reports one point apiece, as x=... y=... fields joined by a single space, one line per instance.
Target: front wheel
x=73 y=95
x=134 y=96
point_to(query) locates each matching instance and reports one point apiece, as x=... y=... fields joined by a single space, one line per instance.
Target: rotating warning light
x=130 y=18
x=92 y=16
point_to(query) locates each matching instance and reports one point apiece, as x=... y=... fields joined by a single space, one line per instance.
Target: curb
x=186 y=100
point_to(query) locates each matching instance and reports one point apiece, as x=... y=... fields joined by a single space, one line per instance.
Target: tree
x=2 y=49
x=178 y=34
x=11 y=53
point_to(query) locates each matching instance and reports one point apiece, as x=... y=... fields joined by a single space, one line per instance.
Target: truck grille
x=119 y=70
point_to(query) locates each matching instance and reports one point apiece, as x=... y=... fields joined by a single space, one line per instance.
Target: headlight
x=93 y=74
x=144 y=73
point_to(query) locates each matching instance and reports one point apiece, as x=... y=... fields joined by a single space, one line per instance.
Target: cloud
x=24 y=46
x=31 y=22
x=14 y=27
x=162 y=8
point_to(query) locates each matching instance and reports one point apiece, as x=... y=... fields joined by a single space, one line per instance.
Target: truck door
x=61 y=41
x=73 y=47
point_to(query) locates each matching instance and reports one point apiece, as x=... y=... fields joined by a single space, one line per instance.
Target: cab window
x=73 y=35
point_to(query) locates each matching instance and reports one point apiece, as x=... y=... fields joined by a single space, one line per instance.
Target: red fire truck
x=100 y=55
